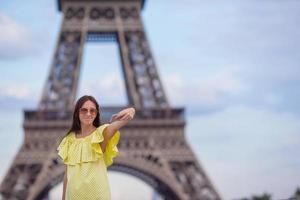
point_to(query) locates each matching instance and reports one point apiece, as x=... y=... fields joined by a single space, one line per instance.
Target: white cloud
x=248 y=151
x=108 y=90
x=273 y=99
x=225 y=81
x=17 y=91
x=181 y=89
x=15 y=39
x=56 y=192
x=122 y=186
x=203 y=92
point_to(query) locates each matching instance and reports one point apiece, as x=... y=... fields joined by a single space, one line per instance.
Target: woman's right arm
x=65 y=184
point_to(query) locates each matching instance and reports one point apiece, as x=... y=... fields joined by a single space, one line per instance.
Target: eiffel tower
x=153 y=147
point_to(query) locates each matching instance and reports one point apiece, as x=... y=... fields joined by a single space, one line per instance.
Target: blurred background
x=234 y=65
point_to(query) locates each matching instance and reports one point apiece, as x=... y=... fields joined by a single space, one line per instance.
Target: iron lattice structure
x=153 y=146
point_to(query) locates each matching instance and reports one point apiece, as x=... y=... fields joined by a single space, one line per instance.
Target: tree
x=297 y=194
x=264 y=196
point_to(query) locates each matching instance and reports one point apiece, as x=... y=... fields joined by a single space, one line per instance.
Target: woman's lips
x=88 y=118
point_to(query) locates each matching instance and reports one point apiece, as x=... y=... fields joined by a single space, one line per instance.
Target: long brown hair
x=76 y=127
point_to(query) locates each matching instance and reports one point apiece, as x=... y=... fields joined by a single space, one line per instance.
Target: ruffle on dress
x=74 y=150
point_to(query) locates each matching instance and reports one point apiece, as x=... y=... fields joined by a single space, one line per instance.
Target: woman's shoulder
x=101 y=128
x=69 y=134
x=68 y=137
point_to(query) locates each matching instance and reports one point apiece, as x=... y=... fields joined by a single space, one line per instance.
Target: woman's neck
x=86 y=129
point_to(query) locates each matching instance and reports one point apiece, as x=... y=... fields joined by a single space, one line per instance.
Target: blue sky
x=233 y=64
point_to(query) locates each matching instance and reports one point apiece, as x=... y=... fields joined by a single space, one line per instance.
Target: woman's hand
x=124 y=115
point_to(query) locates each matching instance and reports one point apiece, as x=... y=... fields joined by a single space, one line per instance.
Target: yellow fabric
x=86 y=163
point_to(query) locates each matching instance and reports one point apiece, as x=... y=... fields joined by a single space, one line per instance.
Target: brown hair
x=76 y=127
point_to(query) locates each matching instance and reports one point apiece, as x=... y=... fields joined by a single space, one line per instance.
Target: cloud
x=17 y=97
x=108 y=90
x=17 y=91
x=210 y=92
x=260 y=39
x=249 y=149
x=122 y=185
x=15 y=40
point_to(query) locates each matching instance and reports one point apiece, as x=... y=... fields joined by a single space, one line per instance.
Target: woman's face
x=87 y=113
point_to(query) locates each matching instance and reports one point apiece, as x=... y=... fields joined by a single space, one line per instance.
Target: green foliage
x=297 y=193
x=264 y=196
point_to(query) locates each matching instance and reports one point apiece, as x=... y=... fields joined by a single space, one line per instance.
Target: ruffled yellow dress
x=87 y=164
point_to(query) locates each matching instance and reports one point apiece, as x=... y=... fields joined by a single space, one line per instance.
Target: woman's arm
x=117 y=121
x=65 y=184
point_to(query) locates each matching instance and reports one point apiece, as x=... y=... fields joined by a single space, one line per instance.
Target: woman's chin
x=87 y=122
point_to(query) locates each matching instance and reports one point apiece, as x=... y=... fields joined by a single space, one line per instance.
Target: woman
x=88 y=149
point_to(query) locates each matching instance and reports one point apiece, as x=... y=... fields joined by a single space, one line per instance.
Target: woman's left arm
x=117 y=121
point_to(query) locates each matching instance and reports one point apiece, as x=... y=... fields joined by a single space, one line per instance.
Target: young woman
x=88 y=149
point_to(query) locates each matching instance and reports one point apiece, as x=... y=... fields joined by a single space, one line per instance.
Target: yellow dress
x=86 y=164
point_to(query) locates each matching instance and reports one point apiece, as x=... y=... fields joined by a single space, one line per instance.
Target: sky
x=233 y=65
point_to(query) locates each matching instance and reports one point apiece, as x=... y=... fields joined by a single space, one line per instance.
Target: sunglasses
x=85 y=111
